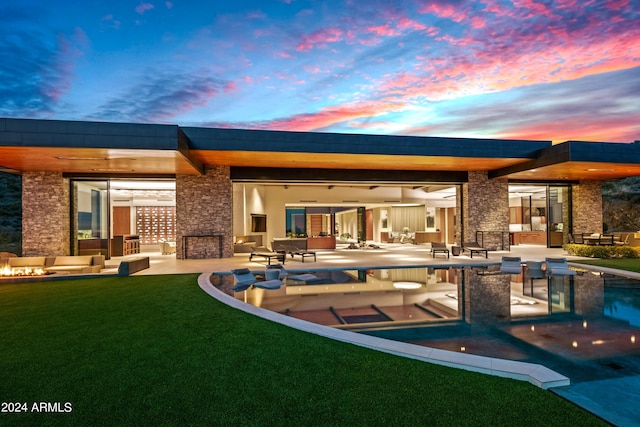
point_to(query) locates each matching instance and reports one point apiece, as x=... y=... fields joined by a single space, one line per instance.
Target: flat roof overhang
x=95 y=148
x=577 y=161
x=316 y=150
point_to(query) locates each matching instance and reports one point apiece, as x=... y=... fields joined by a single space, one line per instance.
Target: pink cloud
x=143 y=7
x=330 y=116
x=442 y=10
x=620 y=129
x=383 y=30
x=320 y=38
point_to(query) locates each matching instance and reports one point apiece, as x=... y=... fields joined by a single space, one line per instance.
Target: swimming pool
x=478 y=310
x=583 y=327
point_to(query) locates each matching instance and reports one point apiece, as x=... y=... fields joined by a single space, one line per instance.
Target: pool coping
x=538 y=375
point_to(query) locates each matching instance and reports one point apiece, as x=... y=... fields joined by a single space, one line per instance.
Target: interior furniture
x=427 y=236
x=439 y=248
x=125 y=245
x=321 y=242
x=168 y=248
x=530 y=237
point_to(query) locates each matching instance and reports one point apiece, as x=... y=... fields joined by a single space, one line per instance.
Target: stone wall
x=588 y=295
x=204 y=206
x=45 y=214
x=485 y=205
x=487 y=297
x=587 y=207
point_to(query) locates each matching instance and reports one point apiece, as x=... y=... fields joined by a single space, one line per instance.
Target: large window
x=90 y=225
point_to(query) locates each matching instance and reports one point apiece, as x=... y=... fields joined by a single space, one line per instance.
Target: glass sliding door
x=559 y=207
x=90 y=218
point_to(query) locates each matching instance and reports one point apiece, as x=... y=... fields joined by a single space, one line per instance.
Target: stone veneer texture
x=45 y=214
x=588 y=294
x=587 y=207
x=486 y=208
x=487 y=297
x=204 y=206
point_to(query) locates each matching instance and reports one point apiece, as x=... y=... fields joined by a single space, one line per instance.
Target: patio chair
x=622 y=242
x=439 y=248
x=577 y=239
x=267 y=254
x=511 y=265
x=245 y=280
x=558 y=267
x=606 y=240
x=533 y=270
x=282 y=273
x=294 y=250
x=474 y=247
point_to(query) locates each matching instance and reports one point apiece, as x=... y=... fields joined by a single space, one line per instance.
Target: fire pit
x=7 y=271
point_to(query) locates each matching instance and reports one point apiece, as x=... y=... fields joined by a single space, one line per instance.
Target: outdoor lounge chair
x=294 y=250
x=558 y=267
x=474 y=247
x=245 y=280
x=439 y=247
x=511 y=265
x=622 y=242
x=533 y=270
x=263 y=252
x=282 y=273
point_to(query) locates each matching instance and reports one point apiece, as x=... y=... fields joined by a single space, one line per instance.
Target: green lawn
x=628 y=264
x=156 y=350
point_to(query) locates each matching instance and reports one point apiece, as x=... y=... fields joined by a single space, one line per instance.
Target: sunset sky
x=534 y=69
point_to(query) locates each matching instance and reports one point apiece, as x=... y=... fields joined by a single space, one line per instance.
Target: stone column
x=204 y=206
x=487 y=297
x=485 y=206
x=587 y=207
x=588 y=294
x=45 y=214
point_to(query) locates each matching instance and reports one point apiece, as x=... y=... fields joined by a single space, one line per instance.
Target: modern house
x=91 y=187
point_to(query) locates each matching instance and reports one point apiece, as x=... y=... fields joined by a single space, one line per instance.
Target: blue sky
x=550 y=70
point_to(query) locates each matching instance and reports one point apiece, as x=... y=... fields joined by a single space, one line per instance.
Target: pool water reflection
x=560 y=322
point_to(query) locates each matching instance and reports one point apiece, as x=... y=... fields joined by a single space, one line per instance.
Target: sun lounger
x=294 y=250
x=267 y=254
x=439 y=247
x=558 y=267
x=474 y=247
x=511 y=265
x=245 y=280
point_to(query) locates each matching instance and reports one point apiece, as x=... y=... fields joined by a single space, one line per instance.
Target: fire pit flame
x=7 y=271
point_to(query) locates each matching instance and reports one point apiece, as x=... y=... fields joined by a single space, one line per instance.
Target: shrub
x=603 y=252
